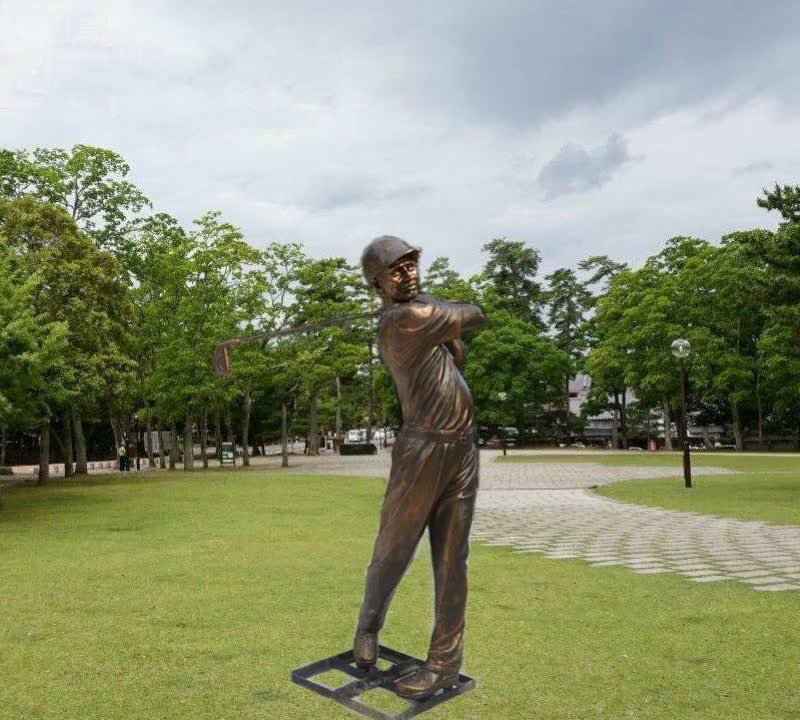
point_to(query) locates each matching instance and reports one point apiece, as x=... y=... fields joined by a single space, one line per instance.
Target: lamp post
x=681 y=349
x=502 y=397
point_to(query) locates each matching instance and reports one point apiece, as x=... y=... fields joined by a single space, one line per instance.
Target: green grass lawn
x=193 y=596
x=765 y=488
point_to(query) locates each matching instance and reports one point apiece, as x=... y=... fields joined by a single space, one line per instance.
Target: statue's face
x=400 y=281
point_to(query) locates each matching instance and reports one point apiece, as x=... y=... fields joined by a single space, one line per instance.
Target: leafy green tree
x=568 y=300
x=39 y=373
x=779 y=344
x=88 y=182
x=330 y=288
x=509 y=280
x=443 y=282
x=514 y=373
x=603 y=270
x=204 y=285
x=722 y=284
x=785 y=199
x=634 y=324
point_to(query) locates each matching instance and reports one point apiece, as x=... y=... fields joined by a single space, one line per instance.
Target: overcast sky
x=578 y=127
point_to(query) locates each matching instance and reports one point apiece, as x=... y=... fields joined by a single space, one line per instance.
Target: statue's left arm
x=471 y=315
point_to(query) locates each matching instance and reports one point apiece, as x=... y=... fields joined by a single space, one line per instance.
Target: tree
x=329 y=288
x=568 y=300
x=604 y=270
x=723 y=298
x=36 y=377
x=204 y=285
x=785 y=199
x=509 y=280
x=515 y=374
x=632 y=329
x=443 y=282
x=88 y=182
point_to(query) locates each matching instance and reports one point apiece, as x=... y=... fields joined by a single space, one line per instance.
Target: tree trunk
x=615 y=426
x=69 y=459
x=566 y=405
x=337 y=443
x=737 y=426
x=370 y=395
x=615 y=429
x=173 y=445
x=149 y=438
x=667 y=425
x=248 y=402
x=313 y=426
x=3 y=432
x=188 y=443
x=119 y=433
x=230 y=437
x=284 y=436
x=81 y=465
x=44 y=453
x=204 y=438
x=760 y=413
x=217 y=436
x=623 y=420
x=162 y=460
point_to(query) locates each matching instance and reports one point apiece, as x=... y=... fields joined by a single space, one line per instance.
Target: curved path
x=548 y=508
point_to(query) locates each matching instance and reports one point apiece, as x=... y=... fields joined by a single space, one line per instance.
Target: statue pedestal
x=360 y=684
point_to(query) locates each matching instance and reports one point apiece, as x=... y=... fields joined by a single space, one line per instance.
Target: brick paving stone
x=751 y=573
x=710 y=578
x=777 y=587
x=764 y=580
x=690 y=566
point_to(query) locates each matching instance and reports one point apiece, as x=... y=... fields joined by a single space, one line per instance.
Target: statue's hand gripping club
x=222 y=360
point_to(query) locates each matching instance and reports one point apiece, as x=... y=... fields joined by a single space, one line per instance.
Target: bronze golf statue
x=434 y=475
x=432 y=484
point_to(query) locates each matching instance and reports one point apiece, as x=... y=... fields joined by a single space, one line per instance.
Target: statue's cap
x=382 y=252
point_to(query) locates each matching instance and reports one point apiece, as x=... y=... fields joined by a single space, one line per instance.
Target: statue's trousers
x=433 y=483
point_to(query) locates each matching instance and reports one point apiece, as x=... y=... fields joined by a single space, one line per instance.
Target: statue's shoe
x=365 y=649
x=423 y=683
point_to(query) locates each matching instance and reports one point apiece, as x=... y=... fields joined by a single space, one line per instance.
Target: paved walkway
x=548 y=508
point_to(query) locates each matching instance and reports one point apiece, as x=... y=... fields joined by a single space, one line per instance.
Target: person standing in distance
x=434 y=475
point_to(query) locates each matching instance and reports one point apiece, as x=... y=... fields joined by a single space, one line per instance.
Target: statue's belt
x=446 y=436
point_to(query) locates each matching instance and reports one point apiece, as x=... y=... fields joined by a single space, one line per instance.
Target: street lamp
x=681 y=350
x=502 y=397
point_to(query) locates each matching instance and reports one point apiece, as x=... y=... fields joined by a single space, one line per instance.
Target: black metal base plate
x=368 y=680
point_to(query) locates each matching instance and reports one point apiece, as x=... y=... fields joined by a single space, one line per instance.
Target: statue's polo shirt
x=433 y=393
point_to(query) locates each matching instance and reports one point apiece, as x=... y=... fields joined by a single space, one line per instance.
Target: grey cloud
x=306 y=121
x=522 y=64
x=575 y=169
x=751 y=168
